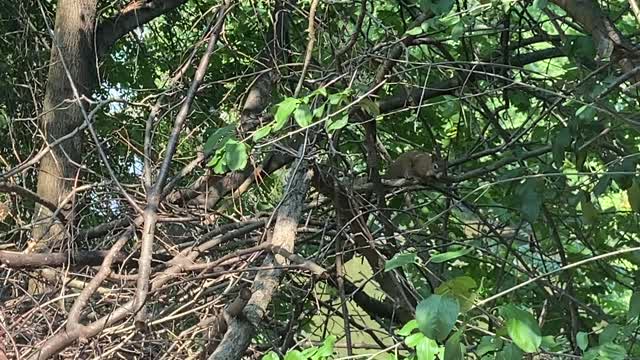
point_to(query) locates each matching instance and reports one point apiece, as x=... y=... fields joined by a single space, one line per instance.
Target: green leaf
x=337 y=98
x=634 y=306
x=453 y=349
x=218 y=163
x=586 y=112
x=303 y=115
x=589 y=212
x=450 y=255
x=262 y=132
x=408 y=328
x=436 y=316
x=415 y=31
x=633 y=195
x=461 y=288
x=327 y=348
x=335 y=124
x=540 y=4
x=271 y=356
x=294 y=355
x=236 y=155
x=560 y=142
x=320 y=91
x=582 y=339
x=219 y=138
x=413 y=339
x=488 y=344
x=438 y=7
x=285 y=108
x=530 y=199
x=522 y=328
x=606 y=352
x=319 y=111
x=457 y=30
x=510 y=352
x=602 y=185
x=608 y=334
x=400 y=260
x=427 y=349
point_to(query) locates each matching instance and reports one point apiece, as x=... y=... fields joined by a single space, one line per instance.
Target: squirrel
x=413 y=165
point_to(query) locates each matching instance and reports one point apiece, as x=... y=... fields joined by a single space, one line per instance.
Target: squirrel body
x=413 y=164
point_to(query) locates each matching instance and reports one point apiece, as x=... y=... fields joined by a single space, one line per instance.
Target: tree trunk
x=72 y=56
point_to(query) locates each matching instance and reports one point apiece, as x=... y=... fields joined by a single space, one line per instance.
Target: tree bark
x=72 y=57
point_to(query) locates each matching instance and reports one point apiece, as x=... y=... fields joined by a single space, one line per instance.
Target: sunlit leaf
x=522 y=328
x=413 y=339
x=339 y=123
x=427 y=349
x=399 y=260
x=262 y=132
x=633 y=195
x=294 y=355
x=408 y=328
x=285 y=108
x=461 y=288
x=271 y=356
x=302 y=115
x=450 y=255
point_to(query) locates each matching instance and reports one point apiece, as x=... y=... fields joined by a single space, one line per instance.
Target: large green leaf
x=302 y=115
x=522 y=328
x=236 y=155
x=453 y=349
x=427 y=349
x=436 y=316
x=219 y=138
x=285 y=108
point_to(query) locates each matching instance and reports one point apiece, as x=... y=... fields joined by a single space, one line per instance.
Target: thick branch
x=137 y=13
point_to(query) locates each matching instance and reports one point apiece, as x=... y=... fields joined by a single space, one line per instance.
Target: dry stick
x=81 y=301
x=240 y=331
x=154 y=113
x=61 y=340
x=311 y=29
x=636 y=9
x=153 y=199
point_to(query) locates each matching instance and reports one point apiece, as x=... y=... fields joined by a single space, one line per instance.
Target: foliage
x=527 y=244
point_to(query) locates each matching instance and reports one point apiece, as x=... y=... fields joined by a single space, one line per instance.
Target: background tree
x=190 y=156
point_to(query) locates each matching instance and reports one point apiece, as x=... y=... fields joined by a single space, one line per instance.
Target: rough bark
x=72 y=51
